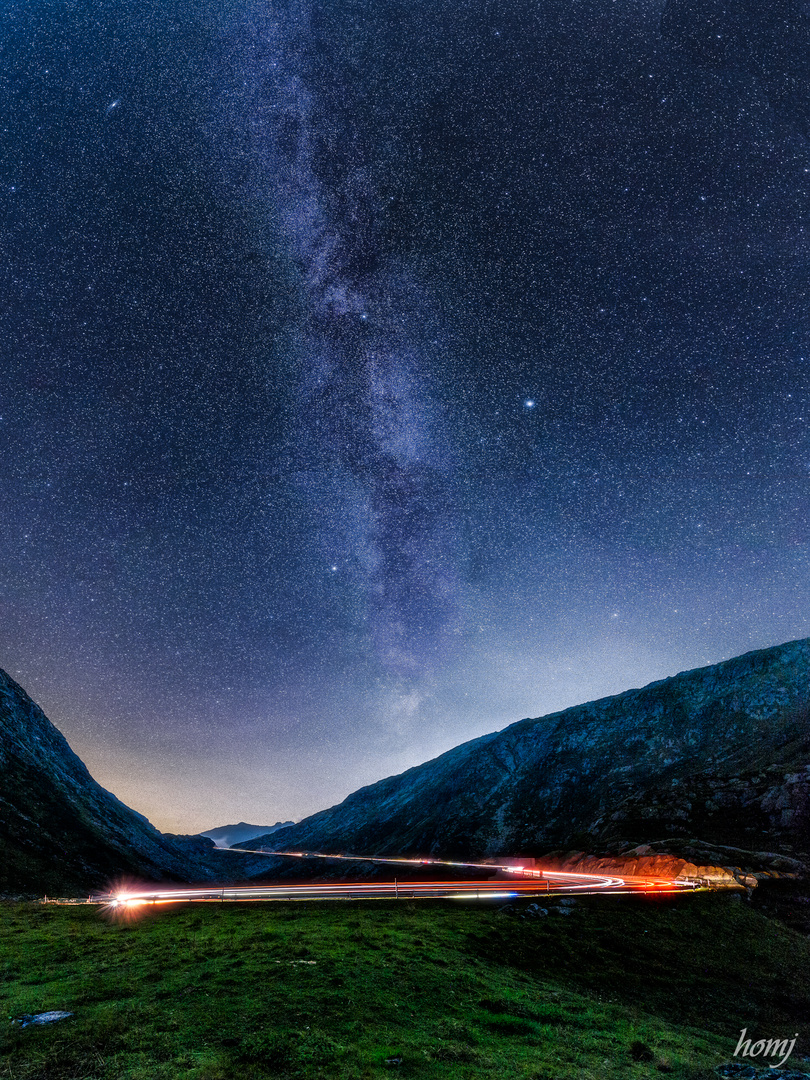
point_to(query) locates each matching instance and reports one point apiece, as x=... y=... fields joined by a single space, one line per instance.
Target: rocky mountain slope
x=60 y=831
x=721 y=754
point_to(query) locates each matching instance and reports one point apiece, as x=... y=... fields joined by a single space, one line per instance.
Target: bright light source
x=484 y=895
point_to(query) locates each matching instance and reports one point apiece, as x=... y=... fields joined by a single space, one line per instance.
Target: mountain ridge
x=581 y=777
x=711 y=758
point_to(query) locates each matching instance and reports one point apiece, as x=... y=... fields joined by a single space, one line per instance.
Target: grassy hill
x=613 y=988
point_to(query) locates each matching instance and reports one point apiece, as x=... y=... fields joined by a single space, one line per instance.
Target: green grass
x=215 y=992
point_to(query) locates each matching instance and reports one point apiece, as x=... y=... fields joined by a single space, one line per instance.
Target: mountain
x=712 y=760
x=60 y=831
x=721 y=754
x=226 y=836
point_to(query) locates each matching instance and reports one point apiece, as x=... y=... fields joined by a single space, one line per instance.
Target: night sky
x=376 y=374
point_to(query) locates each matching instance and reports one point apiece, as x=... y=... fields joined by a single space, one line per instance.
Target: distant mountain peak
x=227 y=835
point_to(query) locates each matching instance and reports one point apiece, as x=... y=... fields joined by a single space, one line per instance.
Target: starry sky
x=376 y=374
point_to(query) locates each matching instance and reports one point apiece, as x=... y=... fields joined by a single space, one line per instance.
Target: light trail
x=401 y=890
x=527 y=883
x=559 y=877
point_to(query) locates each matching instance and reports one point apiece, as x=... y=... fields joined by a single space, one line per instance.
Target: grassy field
x=615 y=988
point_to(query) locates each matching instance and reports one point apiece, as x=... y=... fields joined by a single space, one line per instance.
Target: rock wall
x=731 y=868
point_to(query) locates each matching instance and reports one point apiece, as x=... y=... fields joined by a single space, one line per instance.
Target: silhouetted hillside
x=60 y=831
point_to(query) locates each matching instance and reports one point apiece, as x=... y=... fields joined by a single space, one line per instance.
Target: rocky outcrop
x=716 y=865
x=647 y=864
x=721 y=753
x=60 y=831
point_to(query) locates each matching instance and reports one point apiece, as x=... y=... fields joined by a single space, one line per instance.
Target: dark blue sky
x=375 y=375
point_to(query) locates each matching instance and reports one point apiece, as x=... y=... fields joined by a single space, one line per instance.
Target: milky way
x=379 y=374
x=366 y=447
